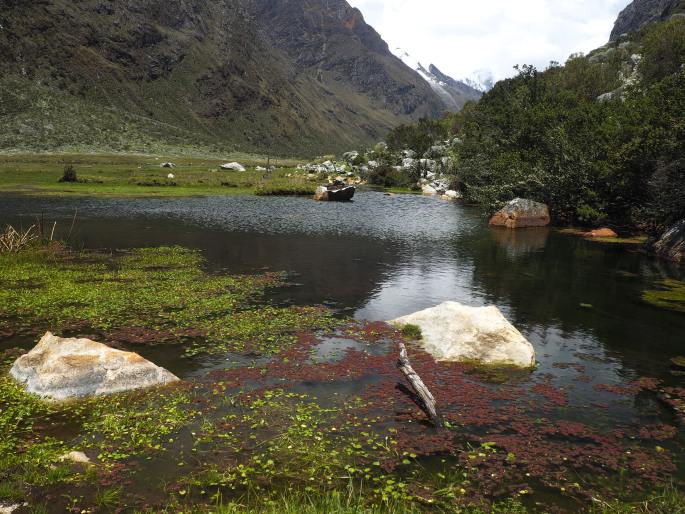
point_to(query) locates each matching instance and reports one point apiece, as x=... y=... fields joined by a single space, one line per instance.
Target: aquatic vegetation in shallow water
x=670 y=295
x=294 y=425
x=149 y=295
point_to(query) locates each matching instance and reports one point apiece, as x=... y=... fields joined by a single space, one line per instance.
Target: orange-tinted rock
x=603 y=232
x=521 y=213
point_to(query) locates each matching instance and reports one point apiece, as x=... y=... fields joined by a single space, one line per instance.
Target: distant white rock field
x=60 y=369
x=455 y=332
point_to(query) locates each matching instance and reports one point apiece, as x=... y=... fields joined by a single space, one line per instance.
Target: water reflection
x=382 y=257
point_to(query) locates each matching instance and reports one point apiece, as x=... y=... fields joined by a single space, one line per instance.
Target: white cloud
x=462 y=36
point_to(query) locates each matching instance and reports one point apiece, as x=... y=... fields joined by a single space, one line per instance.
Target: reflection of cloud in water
x=422 y=282
x=522 y=241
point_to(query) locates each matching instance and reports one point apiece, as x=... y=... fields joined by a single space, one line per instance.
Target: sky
x=463 y=37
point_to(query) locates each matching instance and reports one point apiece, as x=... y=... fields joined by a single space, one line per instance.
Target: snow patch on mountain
x=453 y=93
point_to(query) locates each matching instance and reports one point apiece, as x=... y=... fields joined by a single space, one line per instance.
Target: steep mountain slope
x=453 y=93
x=270 y=75
x=641 y=12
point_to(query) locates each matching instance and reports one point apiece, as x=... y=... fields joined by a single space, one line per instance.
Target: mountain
x=286 y=76
x=641 y=12
x=481 y=80
x=453 y=93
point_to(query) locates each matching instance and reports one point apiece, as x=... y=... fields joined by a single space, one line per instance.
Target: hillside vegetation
x=600 y=139
x=190 y=76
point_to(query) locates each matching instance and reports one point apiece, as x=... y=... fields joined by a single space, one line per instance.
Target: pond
x=579 y=302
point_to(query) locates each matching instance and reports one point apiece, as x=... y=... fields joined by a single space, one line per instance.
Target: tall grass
x=13 y=240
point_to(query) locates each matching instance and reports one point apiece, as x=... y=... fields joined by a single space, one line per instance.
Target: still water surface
x=381 y=257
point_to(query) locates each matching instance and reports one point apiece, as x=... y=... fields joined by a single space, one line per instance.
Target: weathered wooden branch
x=429 y=404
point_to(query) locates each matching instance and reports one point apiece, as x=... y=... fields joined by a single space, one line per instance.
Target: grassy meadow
x=142 y=175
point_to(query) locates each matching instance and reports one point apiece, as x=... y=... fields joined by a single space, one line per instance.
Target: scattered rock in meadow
x=60 y=368
x=455 y=332
x=521 y=213
x=167 y=165
x=671 y=245
x=232 y=166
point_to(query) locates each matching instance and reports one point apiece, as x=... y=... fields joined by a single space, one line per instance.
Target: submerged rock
x=521 y=213
x=232 y=166
x=671 y=245
x=71 y=368
x=455 y=332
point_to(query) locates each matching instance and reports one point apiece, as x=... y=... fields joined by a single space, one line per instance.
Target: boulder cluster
x=427 y=172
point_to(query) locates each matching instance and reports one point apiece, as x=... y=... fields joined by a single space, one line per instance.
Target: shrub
x=69 y=174
x=663 y=50
x=412 y=331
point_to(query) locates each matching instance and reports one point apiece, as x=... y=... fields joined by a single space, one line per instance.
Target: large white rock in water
x=70 y=368
x=455 y=332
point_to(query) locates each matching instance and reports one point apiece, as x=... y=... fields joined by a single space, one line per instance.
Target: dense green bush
x=663 y=50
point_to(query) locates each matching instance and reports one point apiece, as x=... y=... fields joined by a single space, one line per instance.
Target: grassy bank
x=142 y=175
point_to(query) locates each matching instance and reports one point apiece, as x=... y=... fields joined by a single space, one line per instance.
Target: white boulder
x=75 y=457
x=429 y=190
x=408 y=163
x=455 y=332
x=170 y=176
x=70 y=368
x=232 y=166
x=451 y=195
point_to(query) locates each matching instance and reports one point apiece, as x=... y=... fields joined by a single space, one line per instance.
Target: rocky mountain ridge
x=296 y=76
x=642 y=12
x=452 y=92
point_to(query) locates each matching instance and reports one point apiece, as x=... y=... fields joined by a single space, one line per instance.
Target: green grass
x=142 y=176
x=349 y=502
x=412 y=331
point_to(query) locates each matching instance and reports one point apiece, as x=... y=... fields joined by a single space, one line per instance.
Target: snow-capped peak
x=415 y=65
x=452 y=92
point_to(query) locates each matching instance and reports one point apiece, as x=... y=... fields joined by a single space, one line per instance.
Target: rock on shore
x=455 y=332
x=671 y=245
x=521 y=213
x=71 y=368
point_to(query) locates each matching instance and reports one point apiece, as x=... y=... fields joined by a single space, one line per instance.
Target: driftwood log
x=429 y=404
